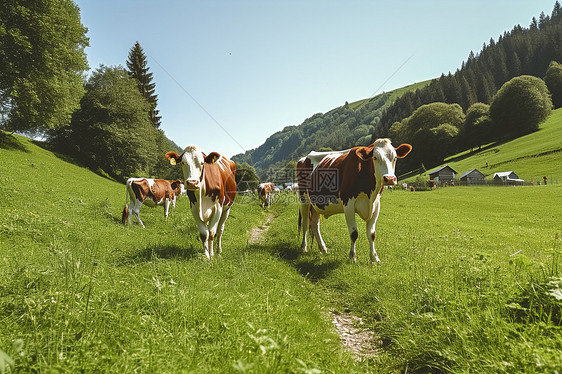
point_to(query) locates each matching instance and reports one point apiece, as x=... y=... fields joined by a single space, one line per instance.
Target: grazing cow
x=150 y=192
x=211 y=188
x=265 y=193
x=348 y=182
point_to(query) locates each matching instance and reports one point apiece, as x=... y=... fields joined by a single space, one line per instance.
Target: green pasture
x=469 y=281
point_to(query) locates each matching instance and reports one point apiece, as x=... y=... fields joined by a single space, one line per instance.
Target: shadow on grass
x=166 y=252
x=314 y=266
x=10 y=142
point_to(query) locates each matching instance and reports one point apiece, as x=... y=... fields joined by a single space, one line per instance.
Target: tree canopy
x=111 y=131
x=521 y=105
x=41 y=63
x=138 y=68
x=553 y=80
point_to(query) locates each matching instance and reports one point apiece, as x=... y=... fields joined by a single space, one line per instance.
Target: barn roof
x=441 y=169
x=470 y=172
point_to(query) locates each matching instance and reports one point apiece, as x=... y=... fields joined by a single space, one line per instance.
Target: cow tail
x=125 y=214
x=300 y=223
x=310 y=227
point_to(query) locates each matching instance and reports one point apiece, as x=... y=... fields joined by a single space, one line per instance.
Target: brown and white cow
x=265 y=193
x=211 y=188
x=348 y=182
x=150 y=192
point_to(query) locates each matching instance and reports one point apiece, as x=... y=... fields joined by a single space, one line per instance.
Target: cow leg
x=371 y=228
x=220 y=228
x=166 y=208
x=349 y=212
x=131 y=210
x=304 y=216
x=315 y=224
x=204 y=236
x=210 y=243
x=136 y=211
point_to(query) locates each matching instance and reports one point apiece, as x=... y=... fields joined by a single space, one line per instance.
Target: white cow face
x=384 y=157
x=191 y=160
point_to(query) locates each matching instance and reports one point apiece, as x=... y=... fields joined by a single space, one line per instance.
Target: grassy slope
x=82 y=292
x=531 y=156
x=393 y=94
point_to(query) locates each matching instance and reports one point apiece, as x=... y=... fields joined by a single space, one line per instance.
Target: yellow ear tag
x=173 y=161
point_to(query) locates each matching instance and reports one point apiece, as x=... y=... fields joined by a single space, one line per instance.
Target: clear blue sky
x=230 y=73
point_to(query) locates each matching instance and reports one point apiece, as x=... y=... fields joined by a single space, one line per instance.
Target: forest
x=466 y=97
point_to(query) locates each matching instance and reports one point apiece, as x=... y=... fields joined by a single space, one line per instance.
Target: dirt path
x=257 y=233
x=360 y=342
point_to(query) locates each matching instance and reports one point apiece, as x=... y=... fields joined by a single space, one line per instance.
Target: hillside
x=343 y=127
x=531 y=156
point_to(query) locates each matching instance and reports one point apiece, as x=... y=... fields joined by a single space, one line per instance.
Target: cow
x=211 y=188
x=265 y=193
x=348 y=182
x=150 y=192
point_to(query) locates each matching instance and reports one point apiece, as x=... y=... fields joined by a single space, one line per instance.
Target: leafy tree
x=521 y=105
x=432 y=130
x=41 y=61
x=111 y=131
x=138 y=69
x=553 y=80
x=246 y=177
x=476 y=122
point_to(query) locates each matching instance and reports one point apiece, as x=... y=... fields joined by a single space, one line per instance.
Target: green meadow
x=470 y=281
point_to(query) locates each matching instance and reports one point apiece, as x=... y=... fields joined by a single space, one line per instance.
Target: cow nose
x=389 y=180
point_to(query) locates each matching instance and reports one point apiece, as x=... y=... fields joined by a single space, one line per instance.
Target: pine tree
x=138 y=69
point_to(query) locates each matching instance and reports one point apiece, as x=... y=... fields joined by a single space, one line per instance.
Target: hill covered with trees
x=340 y=128
x=466 y=117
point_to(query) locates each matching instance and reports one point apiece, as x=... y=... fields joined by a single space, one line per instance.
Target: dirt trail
x=359 y=341
x=257 y=234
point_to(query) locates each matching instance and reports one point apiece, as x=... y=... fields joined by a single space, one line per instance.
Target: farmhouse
x=472 y=177
x=507 y=177
x=443 y=175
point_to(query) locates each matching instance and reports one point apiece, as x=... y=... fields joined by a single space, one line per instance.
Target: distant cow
x=150 y=192
x=265 y=193
x=348 y=182
x=211 y=188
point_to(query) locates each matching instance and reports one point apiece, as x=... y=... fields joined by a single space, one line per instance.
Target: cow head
x=177 y=187
x=193 y=162
x=384 y=156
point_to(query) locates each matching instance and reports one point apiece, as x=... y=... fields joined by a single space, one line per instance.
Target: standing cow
x=265 y=193
x=150 y=192
x=348 y=182
x=211 y=188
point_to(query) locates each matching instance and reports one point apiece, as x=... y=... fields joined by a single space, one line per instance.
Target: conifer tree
x=138 y=69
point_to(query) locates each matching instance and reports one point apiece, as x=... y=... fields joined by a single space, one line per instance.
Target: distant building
x=443 y=175
x=472 y=177
x=507 y=177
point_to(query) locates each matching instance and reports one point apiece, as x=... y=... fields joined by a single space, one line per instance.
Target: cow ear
x=365 y=153
x=212 y=157
x=403 y=150
x=173 y=157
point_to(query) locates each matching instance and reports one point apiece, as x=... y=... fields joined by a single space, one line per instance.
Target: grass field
x=469 y=282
